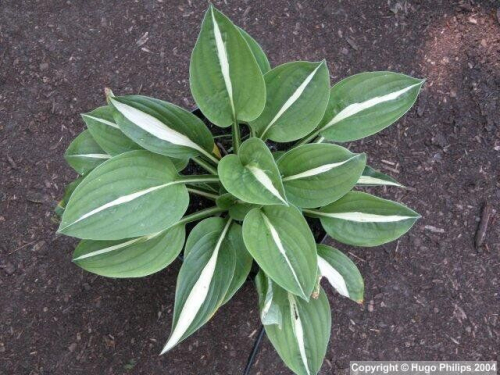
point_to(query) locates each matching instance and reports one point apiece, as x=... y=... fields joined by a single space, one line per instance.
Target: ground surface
x=430 y=296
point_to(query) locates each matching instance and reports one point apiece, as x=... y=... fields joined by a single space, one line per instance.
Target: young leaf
x=137 y=257
x=302 y=340
x=84 y=154
x=361 y=219
x=106 y=132
x=162 y=127
x=371 y=177
x=270 y=312
x=341 y=273
x=366 y=103
x=318 y=174
x=120 y=199
x=252 y=175
x=257 y=51
x=280 y=241
x=68 y=191
x=204 y=278
x=297 y=95
x=226 y=81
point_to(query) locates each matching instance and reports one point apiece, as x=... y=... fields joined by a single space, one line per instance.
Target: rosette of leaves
x=129 y=204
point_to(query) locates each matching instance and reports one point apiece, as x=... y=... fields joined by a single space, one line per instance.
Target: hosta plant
x=276 y=160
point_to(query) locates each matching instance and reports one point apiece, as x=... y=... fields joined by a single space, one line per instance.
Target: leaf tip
x=108 y=93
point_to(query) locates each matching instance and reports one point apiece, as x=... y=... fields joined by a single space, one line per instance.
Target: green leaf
x=303 y=338
x=257 y=51
x=371 y=177
x=318 y=174
x=106 y=132
x=252 y=175
x=280 y=241
x=162 y=127
x=131 y=195
x=226 y=81
x=137 y=257
x=270 y=312
x=204 y=278
x=68 y=191
x=341 y=272
x=84 y=154
x=366 y=103
x=361 y=219
x=297 y=95
x=243 y=261
x=237 y=208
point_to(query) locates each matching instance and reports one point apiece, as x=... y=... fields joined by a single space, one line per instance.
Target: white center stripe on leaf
x=154 y=126
x=92 y=156
x=376 y=181
x=119 y=201
x=102 y=121
x=292 y=99
x=362 y=217
x=277 y=240
x=298 y=330
x=355 y=108
x=318 y=170
x=223 y=60
x=268 y=300
x=197 y=295
x=265 y=181
x=109 y=249
x=116 y=247
x=333 y=276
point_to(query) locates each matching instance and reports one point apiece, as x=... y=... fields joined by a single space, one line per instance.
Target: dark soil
x=429 y=296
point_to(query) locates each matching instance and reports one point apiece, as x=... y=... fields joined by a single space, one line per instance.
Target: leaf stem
x=209 y=156
x=206 y=166
x=196 y=179
x=236 y=136
x=200 y=215
x=202 y=193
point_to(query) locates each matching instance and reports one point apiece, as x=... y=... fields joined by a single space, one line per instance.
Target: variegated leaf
x=297 y=95
x=162 y=127
x=280 y=241
x=137 y=257
x=270 y=312
x=302 y=339
x=252 y=175
x=204 y=278
x=341 y=273
x=106 y=132
x=361 y=219
x=318 y=174
x=364 y=104
x=84 y=154
x=226 y=81
x=120 y=199
x=372 y=177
